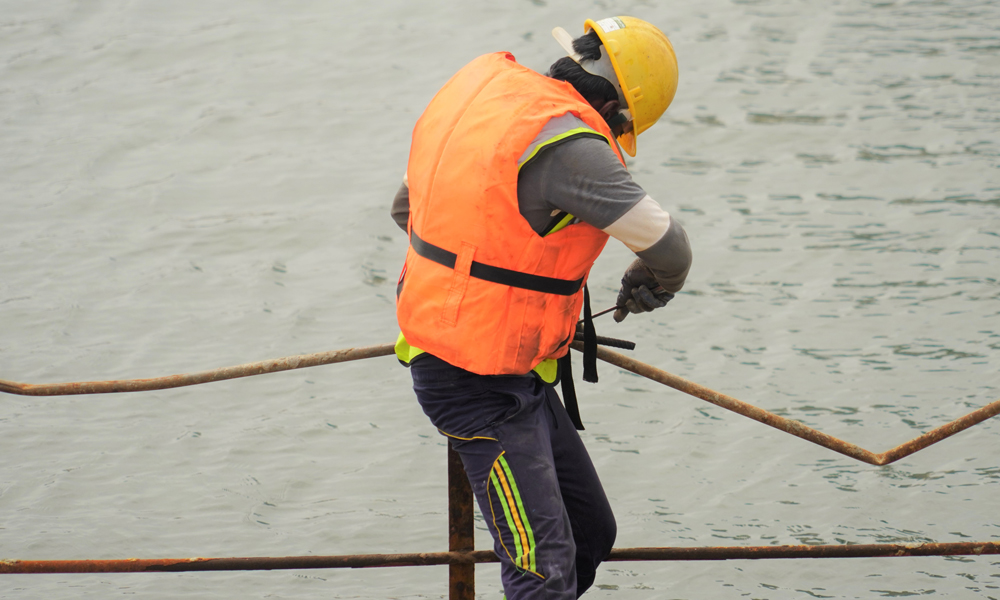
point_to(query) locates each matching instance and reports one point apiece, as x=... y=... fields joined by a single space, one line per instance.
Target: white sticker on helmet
x=610 y=24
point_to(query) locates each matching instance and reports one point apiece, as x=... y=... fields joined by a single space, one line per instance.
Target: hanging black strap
x=569 y=391
x=589 y=341
x=589 y=364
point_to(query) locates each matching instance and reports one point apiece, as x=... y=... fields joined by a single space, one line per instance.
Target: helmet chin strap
x=618 y=119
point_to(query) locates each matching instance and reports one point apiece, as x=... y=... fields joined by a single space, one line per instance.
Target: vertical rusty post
x=461 y=538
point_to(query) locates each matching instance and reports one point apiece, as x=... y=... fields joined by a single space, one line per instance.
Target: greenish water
x=187 y=185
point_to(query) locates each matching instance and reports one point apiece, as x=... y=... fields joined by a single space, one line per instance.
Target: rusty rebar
x=679 y=383
x=161 y=565
x=461 y=529
x=263 y=563
x=172 y=381
x=837 y=551
x=791 y=426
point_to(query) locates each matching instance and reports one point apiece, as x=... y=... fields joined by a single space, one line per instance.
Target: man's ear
x=608 y=109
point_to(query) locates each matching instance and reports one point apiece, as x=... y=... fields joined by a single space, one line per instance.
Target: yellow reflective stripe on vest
x=563 y=223
x=538 y=146
x=547 y=370
x=404 y=351
x=525 y=159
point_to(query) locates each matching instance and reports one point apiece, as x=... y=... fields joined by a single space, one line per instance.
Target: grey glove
x=640 y=291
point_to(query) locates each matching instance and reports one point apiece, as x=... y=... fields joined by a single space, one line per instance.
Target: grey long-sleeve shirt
x=584 y=178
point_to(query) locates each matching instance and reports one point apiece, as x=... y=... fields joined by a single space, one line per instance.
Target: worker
x=514 y=183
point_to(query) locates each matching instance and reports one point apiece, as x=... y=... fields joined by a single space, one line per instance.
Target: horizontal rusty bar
x=773 y=552
x=161 y=565
x=791 y=426
x=275 y=365
x=261 y=563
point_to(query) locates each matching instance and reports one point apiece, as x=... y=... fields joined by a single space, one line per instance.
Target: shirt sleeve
x=580 y=176
x=584 y=178
x=401 y=206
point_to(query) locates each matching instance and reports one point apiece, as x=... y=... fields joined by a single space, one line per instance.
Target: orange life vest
x=480 y=289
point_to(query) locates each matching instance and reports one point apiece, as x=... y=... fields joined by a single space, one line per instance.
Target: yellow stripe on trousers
x=513 y=514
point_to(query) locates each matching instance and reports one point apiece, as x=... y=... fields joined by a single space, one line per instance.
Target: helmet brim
x=627 y=142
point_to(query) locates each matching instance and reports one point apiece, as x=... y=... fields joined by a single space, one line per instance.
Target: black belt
x=527 y=281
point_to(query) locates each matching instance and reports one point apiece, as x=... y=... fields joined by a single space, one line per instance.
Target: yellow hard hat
x=646 y=66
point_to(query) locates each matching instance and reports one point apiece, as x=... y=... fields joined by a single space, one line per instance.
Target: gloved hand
x=640 y=291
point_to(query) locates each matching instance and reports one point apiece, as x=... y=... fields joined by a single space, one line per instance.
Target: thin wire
x=603 y=312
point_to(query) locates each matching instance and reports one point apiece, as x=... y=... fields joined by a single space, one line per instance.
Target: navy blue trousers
x=533 y=479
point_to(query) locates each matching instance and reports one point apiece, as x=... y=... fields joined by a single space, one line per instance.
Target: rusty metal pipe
x=461 y=529
x=839 y=551
x=172 y=381
x=679 y=383
x=935 y=435
x=788 y=425
x=160 y=565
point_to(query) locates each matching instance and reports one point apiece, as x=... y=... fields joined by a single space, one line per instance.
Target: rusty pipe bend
x=791 y=426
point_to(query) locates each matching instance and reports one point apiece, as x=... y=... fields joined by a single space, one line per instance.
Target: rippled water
x=191 y=185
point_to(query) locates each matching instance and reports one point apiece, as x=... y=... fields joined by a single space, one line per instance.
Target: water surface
x=187 y=185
